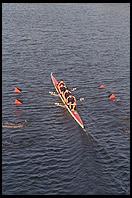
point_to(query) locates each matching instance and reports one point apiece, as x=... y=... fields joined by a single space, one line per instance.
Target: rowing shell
x=73 y=113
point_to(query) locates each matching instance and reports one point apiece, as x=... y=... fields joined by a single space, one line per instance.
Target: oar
x=17 y=90
x=20 y=102
x=111 y=96
x=101 y=86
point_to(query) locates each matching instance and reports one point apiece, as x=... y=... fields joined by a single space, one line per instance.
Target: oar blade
x=17 y=90
x=111 y=96
x=101 y=86
x=17 y=102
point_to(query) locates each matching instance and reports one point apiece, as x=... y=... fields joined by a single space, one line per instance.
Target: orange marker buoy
x=17 y=90
x=101 y=86
x=18 y=102
x=112 y=96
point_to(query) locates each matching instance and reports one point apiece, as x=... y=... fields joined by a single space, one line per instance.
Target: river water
x=85 y=45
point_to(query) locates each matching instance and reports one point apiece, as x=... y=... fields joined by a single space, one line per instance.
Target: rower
x=66 y=94
x=61 y=86
x=71 y=101
x=62 y=89
x=61 y=83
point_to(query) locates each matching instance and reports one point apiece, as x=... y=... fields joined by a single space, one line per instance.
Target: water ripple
x=85 y=45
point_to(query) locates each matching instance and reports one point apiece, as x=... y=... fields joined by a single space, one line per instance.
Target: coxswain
x=71 y=101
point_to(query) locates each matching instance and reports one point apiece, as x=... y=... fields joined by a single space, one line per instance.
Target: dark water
x=85 y=44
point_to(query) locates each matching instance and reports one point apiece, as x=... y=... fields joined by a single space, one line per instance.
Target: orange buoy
x=101 y=86
x=17 y=90
x=112 y=96
x=18 y=102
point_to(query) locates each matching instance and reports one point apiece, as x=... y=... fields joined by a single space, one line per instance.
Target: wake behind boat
x=73 y=112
